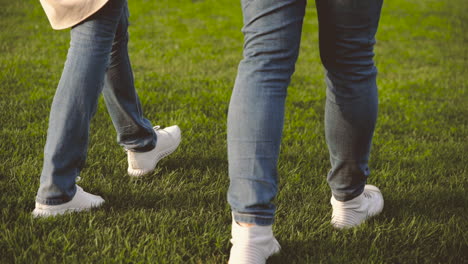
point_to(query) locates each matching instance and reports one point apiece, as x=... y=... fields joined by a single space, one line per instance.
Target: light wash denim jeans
x=272 y=34
x=97 y=61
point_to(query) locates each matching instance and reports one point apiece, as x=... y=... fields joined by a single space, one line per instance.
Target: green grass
x=185 y=55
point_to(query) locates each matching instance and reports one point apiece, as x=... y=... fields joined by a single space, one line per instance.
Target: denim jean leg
x=134 y=132
x=272 y=32
x=347 y=37
x=75 y=103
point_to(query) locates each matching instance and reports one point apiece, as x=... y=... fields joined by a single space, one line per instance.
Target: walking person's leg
x=145 y=145
x=272 y=32
x=122 y=101
x=73 y=106
x=347 y=37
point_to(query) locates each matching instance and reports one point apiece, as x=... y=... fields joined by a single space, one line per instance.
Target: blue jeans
x=272 y=34
x=97 y=61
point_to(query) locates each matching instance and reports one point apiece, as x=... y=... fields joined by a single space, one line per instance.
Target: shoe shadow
x=433 y=204
x=175 y=184
x=285 y=257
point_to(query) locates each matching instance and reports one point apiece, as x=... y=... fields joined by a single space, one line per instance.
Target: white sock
x=252 y=245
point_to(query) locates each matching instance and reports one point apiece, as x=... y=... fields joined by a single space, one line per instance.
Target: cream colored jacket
x=67 y=13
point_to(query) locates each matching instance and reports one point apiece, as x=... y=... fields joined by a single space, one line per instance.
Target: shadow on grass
x=435 y=205
x=176 y=184
x=213 y=163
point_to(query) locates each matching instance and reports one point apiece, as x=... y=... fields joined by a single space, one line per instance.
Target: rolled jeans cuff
x=253 y=219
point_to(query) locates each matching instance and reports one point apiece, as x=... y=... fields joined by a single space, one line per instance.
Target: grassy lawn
x=185 y=56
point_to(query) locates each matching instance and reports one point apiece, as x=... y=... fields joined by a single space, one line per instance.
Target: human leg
x=75 y=103
x=145 y=145
x=347 y=37
x=134 y=132
x=272 y=31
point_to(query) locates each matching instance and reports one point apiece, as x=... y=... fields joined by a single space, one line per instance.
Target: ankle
x=245 y=224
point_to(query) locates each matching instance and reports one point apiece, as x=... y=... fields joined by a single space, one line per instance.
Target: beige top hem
x=64 y=14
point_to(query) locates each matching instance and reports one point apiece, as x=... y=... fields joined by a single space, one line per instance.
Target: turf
x=184 y=56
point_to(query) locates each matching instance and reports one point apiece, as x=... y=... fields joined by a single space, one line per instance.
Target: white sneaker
x=252 y=245
x=81 y=201
x=141 y=163
x=354 y=212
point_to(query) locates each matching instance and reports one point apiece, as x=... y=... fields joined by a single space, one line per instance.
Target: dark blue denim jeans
x=97 y=61
x=272 y=34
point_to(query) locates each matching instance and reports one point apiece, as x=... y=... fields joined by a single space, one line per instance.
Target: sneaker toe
x=174 y=131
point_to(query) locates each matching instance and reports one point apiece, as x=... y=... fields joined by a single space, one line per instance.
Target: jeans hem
x=346 y=197
x=149 y=147
x=253 y=219
x=53 y=201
